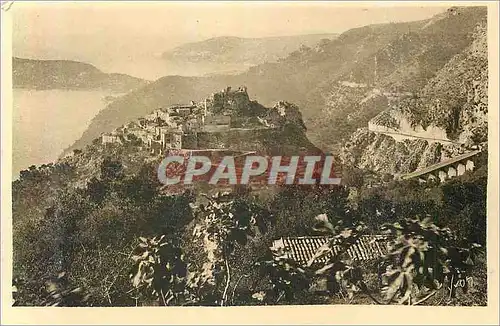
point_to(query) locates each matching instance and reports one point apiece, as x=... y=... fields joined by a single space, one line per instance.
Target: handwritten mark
x=6 y=5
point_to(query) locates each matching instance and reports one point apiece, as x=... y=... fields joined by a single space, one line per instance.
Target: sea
x=45 y=122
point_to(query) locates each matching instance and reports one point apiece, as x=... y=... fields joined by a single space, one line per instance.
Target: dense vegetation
x=119 y=241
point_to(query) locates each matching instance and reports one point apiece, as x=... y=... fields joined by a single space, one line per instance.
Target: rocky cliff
x=382 y=153
x=400 y=68
x=445 y=118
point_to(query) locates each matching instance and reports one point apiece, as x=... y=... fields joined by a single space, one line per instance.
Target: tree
x=353 y=177
x=225 y=222
x=159 y=270
x=426 y=256
x=111 y=170
x=96 y=190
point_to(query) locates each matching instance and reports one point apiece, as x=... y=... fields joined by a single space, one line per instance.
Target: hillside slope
x=278 y=130
x=452 y=107
x=339 y=84
x=65 y=74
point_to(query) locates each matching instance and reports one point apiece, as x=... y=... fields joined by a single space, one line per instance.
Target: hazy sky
x=102 y=32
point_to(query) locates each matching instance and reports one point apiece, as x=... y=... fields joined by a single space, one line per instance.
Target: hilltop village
x=180 y=126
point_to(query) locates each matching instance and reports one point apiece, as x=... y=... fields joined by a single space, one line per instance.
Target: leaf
x=346 y=233
x=137 y=278
x=422 y=257
x=427 y=220
x=320 y=252
x=324 y=269
x=136 y=258
x=324 y=224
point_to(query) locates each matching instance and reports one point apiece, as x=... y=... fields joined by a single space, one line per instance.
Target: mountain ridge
x=335 y=83
x=68 y=74
x=242 y=51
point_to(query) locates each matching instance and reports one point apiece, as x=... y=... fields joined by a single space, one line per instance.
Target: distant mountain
x=340 y=84
x=232 y=54
x=65 y=74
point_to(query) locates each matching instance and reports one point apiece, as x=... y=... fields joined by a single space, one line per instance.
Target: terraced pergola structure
x=302 y=249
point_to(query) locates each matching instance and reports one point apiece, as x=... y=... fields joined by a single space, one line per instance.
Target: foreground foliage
x=118 y=241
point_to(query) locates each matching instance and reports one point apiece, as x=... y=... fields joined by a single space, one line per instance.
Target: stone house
x=217 y=122
x=192 y=125
x=111 y=138
x=156 y=147
x=182 y=110
x=170 y=139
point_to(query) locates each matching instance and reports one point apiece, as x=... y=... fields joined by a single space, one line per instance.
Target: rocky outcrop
x=395 y=124
x=445 y=119
x=453 y=105
x=381 y=153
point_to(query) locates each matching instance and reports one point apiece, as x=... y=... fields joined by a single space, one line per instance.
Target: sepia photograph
x=249 y=154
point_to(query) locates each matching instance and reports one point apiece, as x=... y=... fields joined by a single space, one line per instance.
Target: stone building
x=176 y=139
x=182 y=110
x=217 y=122
x=193 y=124
x=111 y=138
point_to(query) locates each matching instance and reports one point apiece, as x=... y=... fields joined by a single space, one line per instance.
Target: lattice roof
x=302 y=249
